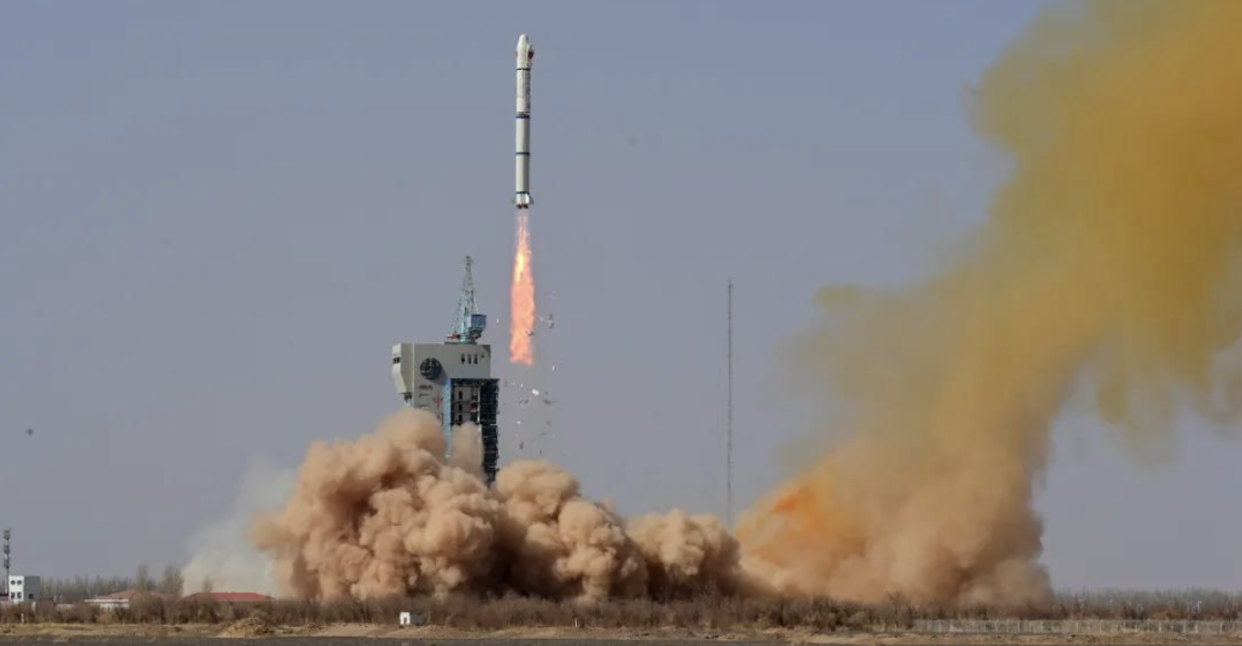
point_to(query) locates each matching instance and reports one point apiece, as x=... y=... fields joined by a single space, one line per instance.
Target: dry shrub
x=148 y=609
x=80 y=613
x=639 y=613
x=256 y=625
x=708 y=612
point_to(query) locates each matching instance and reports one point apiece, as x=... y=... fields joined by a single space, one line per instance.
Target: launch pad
x=452 y=380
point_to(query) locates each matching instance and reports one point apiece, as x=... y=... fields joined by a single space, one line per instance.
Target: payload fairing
x=525 y=54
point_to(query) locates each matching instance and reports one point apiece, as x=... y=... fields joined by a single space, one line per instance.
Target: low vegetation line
x=1199 y=613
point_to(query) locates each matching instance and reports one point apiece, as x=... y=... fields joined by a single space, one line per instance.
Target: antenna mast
x=729 y=417
x=469 y=325
x=6 y=549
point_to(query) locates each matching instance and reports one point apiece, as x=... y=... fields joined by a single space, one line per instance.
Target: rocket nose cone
x=523 y=41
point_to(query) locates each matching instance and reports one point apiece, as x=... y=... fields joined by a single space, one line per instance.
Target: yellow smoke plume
x=1111 y=253
x=1110 y=261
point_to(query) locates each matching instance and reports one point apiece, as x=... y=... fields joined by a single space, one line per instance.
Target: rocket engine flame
x=1114 y=252
x=522 y=298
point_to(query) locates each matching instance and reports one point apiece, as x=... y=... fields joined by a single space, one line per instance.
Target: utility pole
x=6 y=550
x=729 y=416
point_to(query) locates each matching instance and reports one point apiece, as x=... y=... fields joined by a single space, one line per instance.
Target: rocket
x=521 y=188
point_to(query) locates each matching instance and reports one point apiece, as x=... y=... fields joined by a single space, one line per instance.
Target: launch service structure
x=452 y=380
x=521 y=188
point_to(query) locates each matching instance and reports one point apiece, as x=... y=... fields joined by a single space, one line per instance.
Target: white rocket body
x=521 y=194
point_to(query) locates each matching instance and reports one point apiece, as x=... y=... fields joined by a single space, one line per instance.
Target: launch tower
x=452 y=380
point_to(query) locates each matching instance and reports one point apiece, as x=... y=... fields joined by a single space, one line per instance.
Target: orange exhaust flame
x=522 y=299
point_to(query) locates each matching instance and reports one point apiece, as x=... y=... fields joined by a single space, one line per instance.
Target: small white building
x=114 y=601
x=23 y=589
x=411 y=619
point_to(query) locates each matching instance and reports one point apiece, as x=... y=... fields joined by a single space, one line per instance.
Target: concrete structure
x=454 y=383
x=23 y=589
x=452 y=380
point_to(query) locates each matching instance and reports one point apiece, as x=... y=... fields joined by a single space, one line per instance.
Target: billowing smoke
x=221 y=554
x=386 y=514
x=1110 y=262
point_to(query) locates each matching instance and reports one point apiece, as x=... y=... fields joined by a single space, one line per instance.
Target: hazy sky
x=216 y=218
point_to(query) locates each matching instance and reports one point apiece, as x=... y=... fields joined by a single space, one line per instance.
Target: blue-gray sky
x=215 y=218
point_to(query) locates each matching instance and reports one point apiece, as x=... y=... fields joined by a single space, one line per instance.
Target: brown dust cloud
x=386 y=514
x=1109 y=262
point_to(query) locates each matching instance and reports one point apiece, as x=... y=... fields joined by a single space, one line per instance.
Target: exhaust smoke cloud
x=1110 y=261
x=386 y=515
x=221 y=553
x=1111 y=254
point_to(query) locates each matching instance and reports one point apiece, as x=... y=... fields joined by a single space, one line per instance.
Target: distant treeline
x=1137 y=604
x=80 y=588
x=704 y=612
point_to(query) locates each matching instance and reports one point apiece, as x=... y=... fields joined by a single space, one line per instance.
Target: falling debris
x=29 y=432
x=534 y=391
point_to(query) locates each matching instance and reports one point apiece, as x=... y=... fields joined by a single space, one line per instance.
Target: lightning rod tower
x=6 y=550
x=729 y=414
x=468 y=324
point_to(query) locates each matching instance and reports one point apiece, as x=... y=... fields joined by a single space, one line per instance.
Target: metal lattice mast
x=463 y=327
x=6 y=549
x=729 y=415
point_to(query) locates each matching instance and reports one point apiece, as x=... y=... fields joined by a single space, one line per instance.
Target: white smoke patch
x=222 y=552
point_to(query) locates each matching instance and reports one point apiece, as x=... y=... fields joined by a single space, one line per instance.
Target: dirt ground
x=256 y=632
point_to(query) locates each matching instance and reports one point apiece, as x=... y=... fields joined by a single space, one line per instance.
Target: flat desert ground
x=374 y=635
